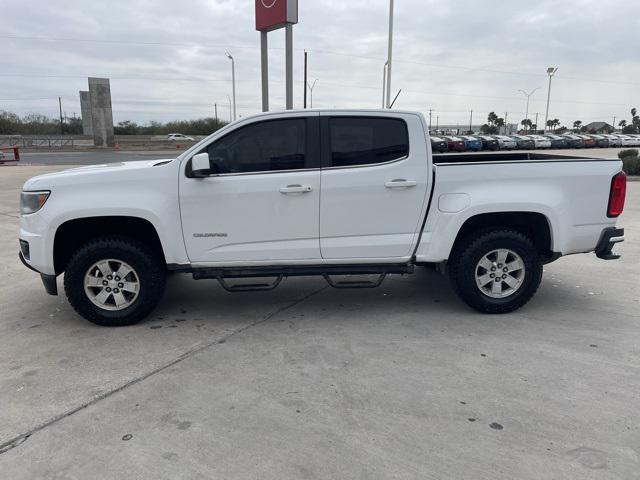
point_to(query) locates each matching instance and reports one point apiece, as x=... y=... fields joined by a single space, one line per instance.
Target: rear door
x=375 y=178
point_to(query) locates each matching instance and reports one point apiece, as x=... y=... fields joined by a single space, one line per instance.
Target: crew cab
x=336 y=193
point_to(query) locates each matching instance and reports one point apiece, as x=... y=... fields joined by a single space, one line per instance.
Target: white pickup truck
x=342 y=194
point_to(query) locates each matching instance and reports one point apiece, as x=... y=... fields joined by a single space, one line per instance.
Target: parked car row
x=475 y=143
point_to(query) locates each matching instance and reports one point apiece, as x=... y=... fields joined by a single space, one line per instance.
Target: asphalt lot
x=308 y=382
x=110 y=156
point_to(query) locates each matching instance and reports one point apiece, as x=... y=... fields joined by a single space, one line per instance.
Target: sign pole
x=289 y=64
x=264 y=59
x=305 y=82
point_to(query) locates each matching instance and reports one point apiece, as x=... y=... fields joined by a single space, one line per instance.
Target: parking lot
x=403 y=381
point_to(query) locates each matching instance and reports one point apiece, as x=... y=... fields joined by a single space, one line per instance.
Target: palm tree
x=577 y=124
x=622 y=124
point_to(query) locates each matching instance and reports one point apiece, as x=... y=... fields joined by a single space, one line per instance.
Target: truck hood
x=105 y=171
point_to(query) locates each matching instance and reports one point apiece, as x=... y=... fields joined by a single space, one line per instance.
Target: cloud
x=166 y=59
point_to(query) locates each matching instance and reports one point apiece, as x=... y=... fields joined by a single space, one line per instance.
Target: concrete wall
x=101 y=113
x=85 y=109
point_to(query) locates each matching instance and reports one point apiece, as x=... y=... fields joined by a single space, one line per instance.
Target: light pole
x=230 y=108
x=311 y=92
x=528 y=95
x=390 y=53
x=233 y=82
x=550 y=71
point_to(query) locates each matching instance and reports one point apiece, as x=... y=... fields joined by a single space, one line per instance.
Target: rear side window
x=367 y=140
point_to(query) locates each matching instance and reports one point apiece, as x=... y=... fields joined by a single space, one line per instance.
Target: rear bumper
x=610 y=236
x=49 y=281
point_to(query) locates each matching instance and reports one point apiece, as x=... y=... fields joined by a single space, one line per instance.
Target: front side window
x=367 y=140
x=272 y=145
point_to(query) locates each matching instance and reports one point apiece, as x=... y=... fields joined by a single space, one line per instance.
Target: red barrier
x=16 y=154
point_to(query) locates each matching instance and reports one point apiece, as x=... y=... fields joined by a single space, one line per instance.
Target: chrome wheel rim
x=500 y=273
x=111 y=284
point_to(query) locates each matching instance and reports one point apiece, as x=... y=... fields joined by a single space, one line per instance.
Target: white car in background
x=540 y=141
x=179 y=137
x=627 y=141
x=506 y=143
x=614 y=141
x=636 y=139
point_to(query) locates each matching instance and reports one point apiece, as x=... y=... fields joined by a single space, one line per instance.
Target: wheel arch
x=74 y=233
x=534 y=225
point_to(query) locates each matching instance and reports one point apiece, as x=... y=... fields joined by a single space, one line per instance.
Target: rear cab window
x=357 y=141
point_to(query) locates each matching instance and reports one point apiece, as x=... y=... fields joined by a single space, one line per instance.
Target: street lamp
x=233 y=82
x=384 y=82
x=230 y=109
x=389 y=54
x=550 y=71
x=526 y=115
x=311 y=92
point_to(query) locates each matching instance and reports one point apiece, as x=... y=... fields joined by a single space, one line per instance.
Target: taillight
x=617 y=194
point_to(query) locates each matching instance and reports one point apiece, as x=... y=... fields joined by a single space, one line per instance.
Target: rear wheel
x=497 y=272
x=114 y=281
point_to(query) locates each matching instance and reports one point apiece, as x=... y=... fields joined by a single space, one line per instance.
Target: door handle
x=400 y=183
x=295 y=189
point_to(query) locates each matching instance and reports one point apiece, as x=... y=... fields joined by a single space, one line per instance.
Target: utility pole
x=470 y=120
x=215 y=106
x=614 y=123
x=305 y=79
x=437 y=121
x=61 y=123
x=545 y=128
x=505 y=122
x=430 y=110
x=550 y=71
x=389 y=53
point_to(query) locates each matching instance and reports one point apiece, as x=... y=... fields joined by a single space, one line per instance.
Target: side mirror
x=200 y=165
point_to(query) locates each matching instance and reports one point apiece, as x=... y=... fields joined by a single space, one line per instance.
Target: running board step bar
x=279 y=272
x=355 y=283
x=250 y=287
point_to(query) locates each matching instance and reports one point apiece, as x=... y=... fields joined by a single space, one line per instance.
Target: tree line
x=495 y=124
x=38 y=124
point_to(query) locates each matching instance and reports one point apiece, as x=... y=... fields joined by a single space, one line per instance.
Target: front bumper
x=610 y=236
x=49 y=281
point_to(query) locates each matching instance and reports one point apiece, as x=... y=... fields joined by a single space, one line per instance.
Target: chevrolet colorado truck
x=350 y=195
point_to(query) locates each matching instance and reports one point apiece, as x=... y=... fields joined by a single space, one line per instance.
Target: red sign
x=274 y=14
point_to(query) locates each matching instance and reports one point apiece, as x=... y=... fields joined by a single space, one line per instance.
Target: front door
x=375 y=180
x=261 y=201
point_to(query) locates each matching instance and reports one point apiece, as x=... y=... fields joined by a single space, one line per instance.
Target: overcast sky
x=166 y=58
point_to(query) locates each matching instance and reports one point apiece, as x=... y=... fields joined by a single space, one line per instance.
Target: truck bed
x=510 y=157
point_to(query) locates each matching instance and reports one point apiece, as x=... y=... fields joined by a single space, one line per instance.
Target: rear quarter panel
x=572 y=195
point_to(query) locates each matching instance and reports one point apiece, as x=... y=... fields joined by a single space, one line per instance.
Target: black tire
x=149 y=268
x=464 y=261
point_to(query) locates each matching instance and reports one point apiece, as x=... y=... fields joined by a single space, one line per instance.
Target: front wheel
x=114 y=281
x=497 y=272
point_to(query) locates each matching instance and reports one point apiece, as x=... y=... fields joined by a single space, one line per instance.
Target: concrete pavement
x=402 y=381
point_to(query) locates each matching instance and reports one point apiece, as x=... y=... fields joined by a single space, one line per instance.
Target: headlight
x=31 y=202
